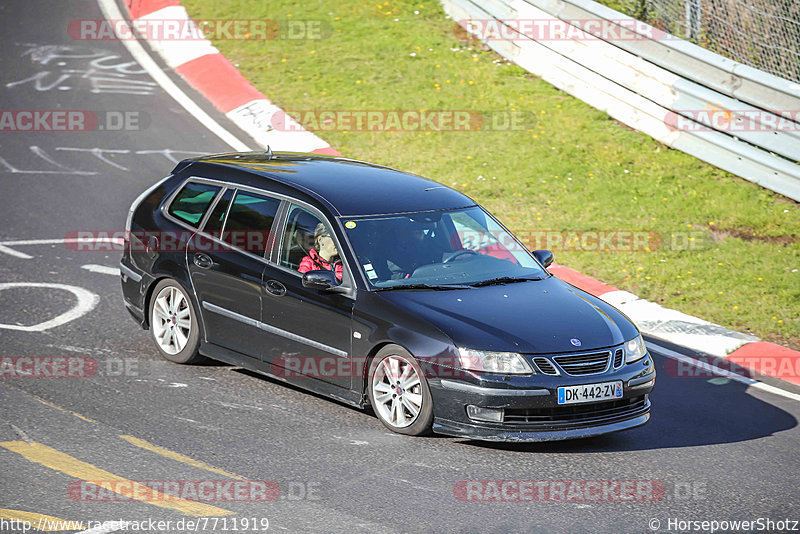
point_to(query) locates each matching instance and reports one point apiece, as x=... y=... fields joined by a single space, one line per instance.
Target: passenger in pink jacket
x=321 y=256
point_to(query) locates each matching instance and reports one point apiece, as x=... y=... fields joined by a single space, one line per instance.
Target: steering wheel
x=460 y=253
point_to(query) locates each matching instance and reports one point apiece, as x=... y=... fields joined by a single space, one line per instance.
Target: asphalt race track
x=715 y=449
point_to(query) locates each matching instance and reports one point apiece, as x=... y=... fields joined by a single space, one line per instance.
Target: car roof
x=349 y=187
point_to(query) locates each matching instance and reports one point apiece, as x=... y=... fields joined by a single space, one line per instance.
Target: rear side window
x=192 y=201
x=249 y=221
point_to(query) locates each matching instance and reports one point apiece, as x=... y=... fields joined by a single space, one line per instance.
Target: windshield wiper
x=435 y=287
x=503 y=280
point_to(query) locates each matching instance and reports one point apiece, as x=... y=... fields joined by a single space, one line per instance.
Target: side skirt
x=346 y=396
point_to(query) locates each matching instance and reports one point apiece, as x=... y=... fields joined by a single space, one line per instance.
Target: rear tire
x=173 y=323
x=399 y=393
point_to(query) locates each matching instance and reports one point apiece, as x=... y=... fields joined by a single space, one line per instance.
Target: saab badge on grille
x=575 y=341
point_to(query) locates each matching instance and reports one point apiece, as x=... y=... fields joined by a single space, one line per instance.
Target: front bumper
x=492 y=433
x=531 y=409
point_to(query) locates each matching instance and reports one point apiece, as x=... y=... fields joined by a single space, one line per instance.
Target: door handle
x=203 y=261
x=275 y=288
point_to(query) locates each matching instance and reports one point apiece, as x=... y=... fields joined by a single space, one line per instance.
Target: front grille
x=577 y=415
x=584 y=364
x=618 y=358
x=545 y=366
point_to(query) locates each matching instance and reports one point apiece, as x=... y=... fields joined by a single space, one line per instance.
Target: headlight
x=635 y=349
x=509 y=363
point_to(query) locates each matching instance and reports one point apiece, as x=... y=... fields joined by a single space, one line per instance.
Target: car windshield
x=436 y=249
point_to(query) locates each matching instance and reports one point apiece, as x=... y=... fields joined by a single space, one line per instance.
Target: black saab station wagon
x=377 y=288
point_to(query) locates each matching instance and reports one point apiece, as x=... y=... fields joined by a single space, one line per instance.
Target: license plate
x=590 y=392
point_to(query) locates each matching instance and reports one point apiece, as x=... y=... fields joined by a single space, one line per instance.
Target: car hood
x=541 y=316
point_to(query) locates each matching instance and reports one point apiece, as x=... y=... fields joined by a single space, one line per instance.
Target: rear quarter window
x=191 y=203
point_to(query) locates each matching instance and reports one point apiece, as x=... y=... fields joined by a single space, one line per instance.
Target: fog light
x=493 y=415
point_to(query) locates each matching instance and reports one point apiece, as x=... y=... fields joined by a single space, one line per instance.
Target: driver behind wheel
x=323 y=255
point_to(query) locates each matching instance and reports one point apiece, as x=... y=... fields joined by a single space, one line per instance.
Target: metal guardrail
x=764 y=34
x=654 y=82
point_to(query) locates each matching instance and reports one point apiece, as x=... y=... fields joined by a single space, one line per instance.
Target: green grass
x=570 y=168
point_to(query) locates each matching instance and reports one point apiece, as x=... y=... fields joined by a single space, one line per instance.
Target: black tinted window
x=217 y=217
x=249 y=221
x=192 y=202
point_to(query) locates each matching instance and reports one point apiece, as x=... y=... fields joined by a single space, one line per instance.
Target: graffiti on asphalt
x=67 y=68
x=92 y=155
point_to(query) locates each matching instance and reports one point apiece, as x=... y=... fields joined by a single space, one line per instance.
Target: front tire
x=399 y=393
x=173 y=323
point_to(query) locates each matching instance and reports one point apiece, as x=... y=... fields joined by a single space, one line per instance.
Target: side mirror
x=322 y=280
x=545 y=257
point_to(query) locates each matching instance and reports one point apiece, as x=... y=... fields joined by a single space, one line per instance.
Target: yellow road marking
x=59 y=461
x=178 y=456
x=47 y=522
x=79 y=416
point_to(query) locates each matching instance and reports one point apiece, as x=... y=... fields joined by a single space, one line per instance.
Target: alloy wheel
x=171 y=320
x=397 y=390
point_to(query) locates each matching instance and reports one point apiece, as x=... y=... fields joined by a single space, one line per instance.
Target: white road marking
x=352 y=441
x=112 y=12
x=238 y=406
x=5 y=245
x=184 y=419
x=82 y=350
x=16 y=254
x=705 y=366
x=45 y=156
x=105 y=528
x=65 y=240
x=41 y=154
x=164 y=382
x=86 y=303
x=196 y=423
x=114 y=271
x=99 y=153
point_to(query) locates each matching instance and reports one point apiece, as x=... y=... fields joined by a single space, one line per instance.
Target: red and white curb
x=706 y=338
x=213 y=76
x=210 y=73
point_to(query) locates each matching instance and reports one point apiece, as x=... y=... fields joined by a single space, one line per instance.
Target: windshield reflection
x=454 y=247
